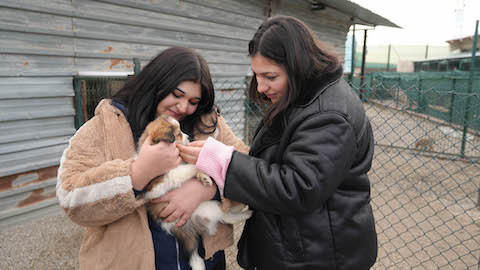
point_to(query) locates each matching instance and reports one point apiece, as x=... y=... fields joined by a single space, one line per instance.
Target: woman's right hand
x=152 y=161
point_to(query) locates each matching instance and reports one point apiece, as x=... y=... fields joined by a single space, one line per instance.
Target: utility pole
x=352 y=69
x=388 y=57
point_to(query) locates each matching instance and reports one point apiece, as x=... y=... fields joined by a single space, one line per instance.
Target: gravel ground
x=46 y=243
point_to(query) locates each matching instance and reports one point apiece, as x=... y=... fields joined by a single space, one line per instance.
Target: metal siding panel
x=250 y=8
x=63 y=7
x=35 y=87
x=35 y=65
x=229 y=69
x=19 y=109
x=26 y=194
x=41 y=44
x=34 y=22
x=26 y=145
x=30 y=160
x=21 y=130
x=330 y=26
x=147 y=35
x=193 y=10
x=107 y=12
x=19 y=215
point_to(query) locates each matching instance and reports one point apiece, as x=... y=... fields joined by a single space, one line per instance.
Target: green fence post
x=421 y=98
x=470 y=89
x=137 y=66
x=78 y=103
x=452 y=99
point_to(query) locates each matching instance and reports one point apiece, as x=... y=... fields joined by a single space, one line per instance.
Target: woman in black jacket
x=305 y=177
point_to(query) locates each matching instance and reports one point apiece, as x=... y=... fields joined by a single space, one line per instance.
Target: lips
x=271 y=96
x=175 y=114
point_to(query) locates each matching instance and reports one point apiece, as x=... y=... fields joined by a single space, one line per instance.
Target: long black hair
x=290 y=43
x=142 y=94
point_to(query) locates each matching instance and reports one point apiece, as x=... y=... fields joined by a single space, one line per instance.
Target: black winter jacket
x=306 y=180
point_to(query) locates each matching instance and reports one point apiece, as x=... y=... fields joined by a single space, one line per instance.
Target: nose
x=262 y=86
x=182 y=106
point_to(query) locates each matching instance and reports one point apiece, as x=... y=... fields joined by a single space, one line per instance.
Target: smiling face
x=182 y=101
x=272 y=79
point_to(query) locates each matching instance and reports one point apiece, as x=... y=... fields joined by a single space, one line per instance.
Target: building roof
x=462 y=38
x=452 y=56
x=359 y=14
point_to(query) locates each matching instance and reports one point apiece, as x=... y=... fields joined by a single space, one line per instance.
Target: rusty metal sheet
x=24 y=192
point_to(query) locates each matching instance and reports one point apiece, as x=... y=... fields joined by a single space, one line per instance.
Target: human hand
x=152 y=161
x=184 y=200
x=190 y=152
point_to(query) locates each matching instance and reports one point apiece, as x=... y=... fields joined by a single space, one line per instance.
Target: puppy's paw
x=204 y=179
x=196 y=262
x=233 y=218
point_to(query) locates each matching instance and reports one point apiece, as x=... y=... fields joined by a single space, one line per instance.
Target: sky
x=423 y=21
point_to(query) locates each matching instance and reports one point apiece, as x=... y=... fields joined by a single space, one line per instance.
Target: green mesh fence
x=444 y=95
x=89 y=91
x=425 y=174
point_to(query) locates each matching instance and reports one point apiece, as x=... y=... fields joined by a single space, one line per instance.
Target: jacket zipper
x=178 y=256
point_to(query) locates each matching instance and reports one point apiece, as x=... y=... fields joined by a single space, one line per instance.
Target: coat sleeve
x=91 y=190
x=314 y=164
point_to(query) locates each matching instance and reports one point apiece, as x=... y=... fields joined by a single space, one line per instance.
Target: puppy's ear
x=167 y=137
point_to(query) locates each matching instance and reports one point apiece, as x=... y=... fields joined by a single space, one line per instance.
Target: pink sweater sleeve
x=214 y=159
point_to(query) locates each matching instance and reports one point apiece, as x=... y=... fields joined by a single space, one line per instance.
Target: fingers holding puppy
x=147 y=165
x=189 y=153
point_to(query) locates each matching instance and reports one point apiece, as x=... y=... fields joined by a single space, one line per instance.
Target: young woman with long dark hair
x=305 y=177
x=99 y=179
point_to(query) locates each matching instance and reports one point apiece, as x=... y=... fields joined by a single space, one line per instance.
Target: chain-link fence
x=425 y=175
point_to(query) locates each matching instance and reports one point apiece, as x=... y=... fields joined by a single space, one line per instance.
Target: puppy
x=205 y=218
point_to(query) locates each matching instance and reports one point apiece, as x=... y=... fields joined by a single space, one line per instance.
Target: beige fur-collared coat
x=95 y=189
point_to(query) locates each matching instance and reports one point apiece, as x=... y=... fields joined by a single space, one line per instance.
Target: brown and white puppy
x=205 y=218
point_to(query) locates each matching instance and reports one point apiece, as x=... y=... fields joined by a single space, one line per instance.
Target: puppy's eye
x=155 y=141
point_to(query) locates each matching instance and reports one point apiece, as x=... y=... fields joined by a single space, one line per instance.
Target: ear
x=167 y=137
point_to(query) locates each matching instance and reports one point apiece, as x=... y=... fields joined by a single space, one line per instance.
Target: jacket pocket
x=291 y=237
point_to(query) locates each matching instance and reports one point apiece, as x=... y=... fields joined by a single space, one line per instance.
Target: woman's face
x=183 y=101
x=272 y=78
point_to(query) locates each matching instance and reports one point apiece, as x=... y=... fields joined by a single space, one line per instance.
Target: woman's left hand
x=189 y=153
x=184 y=200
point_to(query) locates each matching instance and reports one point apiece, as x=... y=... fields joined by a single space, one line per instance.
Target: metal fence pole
x=468 y=112
x=352 y=70
x=452 y=99
x=137 y=66
x=388 y=57
x=78 y=103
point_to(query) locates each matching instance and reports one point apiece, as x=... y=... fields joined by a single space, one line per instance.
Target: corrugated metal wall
x=44 y=43
x=329 y=25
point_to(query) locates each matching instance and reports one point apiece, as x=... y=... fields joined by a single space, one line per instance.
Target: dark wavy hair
x=157 y=80
x=290 y=43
